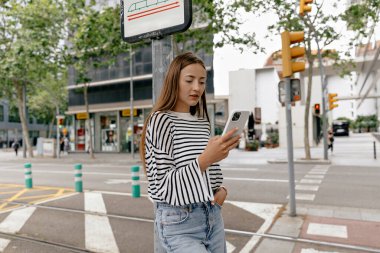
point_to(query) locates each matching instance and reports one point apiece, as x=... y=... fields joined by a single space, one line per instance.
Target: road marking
x=317 y=172
x=304 y=196
x=93 y=202
x=266 y=211
x=3 y=244
x=257 y=179
x=316 y=251
x=327 y=230
x=230 y=247
x=239 y=169
x=310 y=181
x=16 y=219
x=302 y=187
x=315 y=176
x=98 y=232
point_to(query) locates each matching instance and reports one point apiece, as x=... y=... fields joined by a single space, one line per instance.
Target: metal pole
x=288 y=108
x=324 y=86
x=56 y=120
x=26 y=120
x=131 y=99
x=162 y=55
x=324 y=115
x=374 y=149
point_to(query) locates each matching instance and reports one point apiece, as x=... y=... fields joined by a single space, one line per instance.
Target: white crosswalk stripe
x=98 y=232
x=3 y=244
x=16 y=220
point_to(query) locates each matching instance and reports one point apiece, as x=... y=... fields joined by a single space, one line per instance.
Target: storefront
x=112 y=130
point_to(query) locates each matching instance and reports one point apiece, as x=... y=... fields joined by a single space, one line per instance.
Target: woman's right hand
x=218 y=148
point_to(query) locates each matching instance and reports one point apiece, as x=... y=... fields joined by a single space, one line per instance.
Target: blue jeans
x=191 y=228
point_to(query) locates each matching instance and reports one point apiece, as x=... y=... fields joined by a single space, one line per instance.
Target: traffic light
x=317 y=109
x=60 y=123
x=304 y=6
x=288 y=53
x=332 y=100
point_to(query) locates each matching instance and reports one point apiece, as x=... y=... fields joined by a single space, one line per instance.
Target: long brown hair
x=169 y=94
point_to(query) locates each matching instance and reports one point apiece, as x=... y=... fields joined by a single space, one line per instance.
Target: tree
x=29 y=36
x=212 y=18
x=320 y=26
x=49 y=99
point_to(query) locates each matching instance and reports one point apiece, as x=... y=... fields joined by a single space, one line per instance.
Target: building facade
x=10 y=126
x=109 y=103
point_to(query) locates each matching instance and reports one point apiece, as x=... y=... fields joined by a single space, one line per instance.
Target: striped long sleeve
x=172 y=147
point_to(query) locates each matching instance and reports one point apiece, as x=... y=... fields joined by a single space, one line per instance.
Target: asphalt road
x=257 y=192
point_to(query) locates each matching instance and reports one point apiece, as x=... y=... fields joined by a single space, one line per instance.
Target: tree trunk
x=91 y=149
x=307 y=107
x=51 y=124
x=21 y=112
x=307 y=110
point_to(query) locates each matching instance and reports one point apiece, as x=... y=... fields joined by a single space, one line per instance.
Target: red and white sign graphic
x=144 y=16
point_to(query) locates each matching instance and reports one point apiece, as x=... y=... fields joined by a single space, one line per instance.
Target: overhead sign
x=142 y=19
x=81 y=115
x=127 y=112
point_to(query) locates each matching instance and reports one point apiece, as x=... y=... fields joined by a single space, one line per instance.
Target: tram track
x=140 y=219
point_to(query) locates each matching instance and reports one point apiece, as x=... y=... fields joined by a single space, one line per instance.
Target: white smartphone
x=238 y=118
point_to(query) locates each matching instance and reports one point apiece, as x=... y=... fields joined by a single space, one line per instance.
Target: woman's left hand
x=220 y=196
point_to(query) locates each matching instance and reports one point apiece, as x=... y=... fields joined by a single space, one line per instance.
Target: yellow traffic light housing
x=288 y=53
x=304 y=6
x=332 y=100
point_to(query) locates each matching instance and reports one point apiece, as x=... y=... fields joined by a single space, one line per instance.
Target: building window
x=1 y=112
x=13 y=115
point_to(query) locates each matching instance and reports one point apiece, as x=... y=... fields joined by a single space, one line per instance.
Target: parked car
x=341 y=128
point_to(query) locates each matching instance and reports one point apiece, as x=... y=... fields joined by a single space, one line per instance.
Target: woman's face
x=192 y=84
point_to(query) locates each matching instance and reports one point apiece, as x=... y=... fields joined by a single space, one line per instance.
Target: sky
x=228 y=59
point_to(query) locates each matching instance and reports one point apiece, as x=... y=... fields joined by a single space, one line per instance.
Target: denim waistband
x=187 y=207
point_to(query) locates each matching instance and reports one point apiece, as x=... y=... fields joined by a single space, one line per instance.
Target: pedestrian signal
x=317 y=109
x=60 y=123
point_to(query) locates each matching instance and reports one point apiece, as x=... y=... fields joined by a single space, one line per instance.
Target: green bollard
x=78 y=178
x=135 y=181
x=28 y=175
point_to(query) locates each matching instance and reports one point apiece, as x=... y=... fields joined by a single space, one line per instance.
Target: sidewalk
x=324 y=229
x=355 y=150
x=72 y=158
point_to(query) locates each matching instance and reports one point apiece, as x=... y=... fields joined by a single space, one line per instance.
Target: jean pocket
x=217 y=205
x=174 y=216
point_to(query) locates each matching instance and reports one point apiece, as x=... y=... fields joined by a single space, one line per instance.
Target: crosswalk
x=309 y=185
x=100 y=227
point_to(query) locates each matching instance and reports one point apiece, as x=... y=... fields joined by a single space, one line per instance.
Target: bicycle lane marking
x=22 y=196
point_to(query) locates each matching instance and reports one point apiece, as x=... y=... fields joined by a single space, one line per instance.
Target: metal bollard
x=78 y=178
x=135 y=181
x=28 y=175
x=374 y=149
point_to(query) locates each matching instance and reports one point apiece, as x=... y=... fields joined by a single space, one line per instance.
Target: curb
x=299 y=161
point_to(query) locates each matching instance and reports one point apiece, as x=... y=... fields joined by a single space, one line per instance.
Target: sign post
x=155 y=19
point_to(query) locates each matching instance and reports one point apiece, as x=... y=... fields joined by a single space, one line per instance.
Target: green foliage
x=362 y=16
x=252 y=145
x=366 y=123
x=216 y=18
x=273 y=138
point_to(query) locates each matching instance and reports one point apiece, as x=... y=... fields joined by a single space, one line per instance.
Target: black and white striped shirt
x=172 y=145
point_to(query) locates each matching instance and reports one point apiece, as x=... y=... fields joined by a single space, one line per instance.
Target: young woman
x=179 y=157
